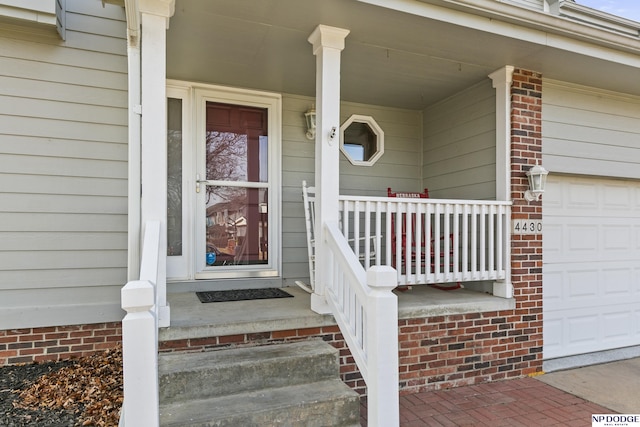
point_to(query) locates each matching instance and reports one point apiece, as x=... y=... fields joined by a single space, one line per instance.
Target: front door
x=232 y=169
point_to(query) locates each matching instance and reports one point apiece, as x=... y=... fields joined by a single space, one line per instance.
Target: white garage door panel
x=591 y=291
x=582 y=331
x=589 y=285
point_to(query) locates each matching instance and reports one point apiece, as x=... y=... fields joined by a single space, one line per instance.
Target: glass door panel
x=235 y=199
x=236 y=226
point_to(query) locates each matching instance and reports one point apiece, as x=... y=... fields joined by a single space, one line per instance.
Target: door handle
x=199 y=181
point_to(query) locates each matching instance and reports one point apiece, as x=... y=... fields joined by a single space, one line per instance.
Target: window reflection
x=237 y=226
x=360 y=141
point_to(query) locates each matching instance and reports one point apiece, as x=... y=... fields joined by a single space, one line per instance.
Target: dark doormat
x=242 y=295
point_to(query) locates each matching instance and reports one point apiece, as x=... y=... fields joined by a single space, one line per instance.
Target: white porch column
x=155 y=16
x=502 y=80
x=328 y=43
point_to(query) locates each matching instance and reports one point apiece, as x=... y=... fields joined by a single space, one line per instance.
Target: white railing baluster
x=378 y=230
x=465 y=242
x=437 y=253
x=499 y=243
x=416 y=250
x=398 y=243
x=483 y=242
x=491 y=242
x=387 y=234
x=421 y=242
x=429 y=246
x=408 y=236
x=456 y=247
x=474 y=243
x=446 y=265
x=356 y=228
x=367 y=234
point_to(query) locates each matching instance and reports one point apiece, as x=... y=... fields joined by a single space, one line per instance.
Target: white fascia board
x=528 y=25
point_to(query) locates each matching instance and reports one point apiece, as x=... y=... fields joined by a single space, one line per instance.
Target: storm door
x=233 y=190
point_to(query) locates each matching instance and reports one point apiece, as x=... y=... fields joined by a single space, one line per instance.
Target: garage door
x=591 y=288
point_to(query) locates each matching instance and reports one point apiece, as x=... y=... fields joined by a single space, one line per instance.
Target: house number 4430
x=529 y=226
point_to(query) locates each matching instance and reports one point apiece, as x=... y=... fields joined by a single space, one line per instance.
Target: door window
x=236 y=195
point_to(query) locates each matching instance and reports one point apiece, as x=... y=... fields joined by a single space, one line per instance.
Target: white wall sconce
x=310 y=117
x=537 y=176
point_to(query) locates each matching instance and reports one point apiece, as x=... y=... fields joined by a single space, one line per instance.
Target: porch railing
x=430 y=241
x=367 y=313
x=140 y=338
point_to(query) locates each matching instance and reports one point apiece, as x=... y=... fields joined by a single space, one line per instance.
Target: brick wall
x=57 y=342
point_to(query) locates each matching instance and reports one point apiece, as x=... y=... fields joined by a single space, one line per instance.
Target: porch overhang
x=405 y=54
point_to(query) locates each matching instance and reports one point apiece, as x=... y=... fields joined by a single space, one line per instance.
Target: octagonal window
x=361 y=140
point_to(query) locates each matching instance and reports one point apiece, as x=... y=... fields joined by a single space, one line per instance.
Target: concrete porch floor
x=192 y=319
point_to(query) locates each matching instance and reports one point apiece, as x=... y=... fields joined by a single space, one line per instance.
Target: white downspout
x=133 y=213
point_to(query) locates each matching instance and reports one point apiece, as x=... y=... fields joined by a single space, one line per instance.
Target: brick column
x=526 y=250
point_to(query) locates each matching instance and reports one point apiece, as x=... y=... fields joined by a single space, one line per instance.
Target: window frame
x=376 y=131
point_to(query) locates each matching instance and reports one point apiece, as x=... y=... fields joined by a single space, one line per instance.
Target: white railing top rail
x=395 y=200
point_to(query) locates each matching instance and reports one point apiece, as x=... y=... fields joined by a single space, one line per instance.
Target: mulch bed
x=81 y=392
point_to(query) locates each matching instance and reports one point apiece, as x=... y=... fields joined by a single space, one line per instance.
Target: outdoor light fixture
x=537 y=176
x=310 y=117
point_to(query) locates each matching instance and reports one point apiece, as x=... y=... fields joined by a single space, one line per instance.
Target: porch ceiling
x=391 y=58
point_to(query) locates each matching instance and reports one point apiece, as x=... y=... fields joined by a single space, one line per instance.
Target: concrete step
x=186 y=376
x=316 y=404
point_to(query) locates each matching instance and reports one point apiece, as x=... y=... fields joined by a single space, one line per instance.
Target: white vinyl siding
x=588 y=131
x=460 y=145
x=398 y=168
x=63 y=169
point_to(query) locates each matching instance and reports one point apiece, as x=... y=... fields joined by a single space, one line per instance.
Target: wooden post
x=328 y=42
x=140 y=355
x=383 y=404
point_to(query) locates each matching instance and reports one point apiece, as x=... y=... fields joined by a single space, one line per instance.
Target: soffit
x=391 y=58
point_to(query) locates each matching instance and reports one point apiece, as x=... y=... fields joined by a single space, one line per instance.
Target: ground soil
x=80 y=392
